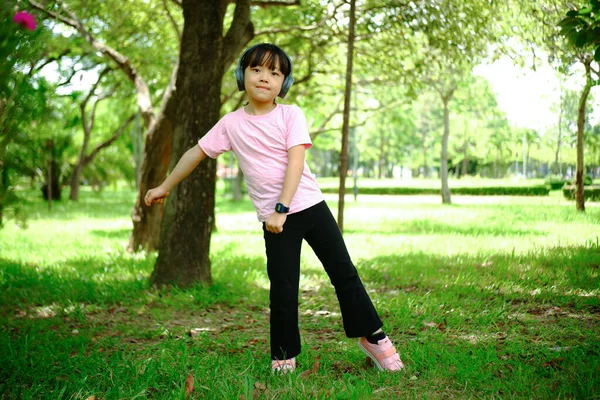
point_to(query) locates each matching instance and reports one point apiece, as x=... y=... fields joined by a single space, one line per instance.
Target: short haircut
x=268 y=55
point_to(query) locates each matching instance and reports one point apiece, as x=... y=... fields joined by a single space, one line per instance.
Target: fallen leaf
x=554 y=364
x=430 y=324
x=442 y=325
x=92 y=398
x=189 y=385
x=259 y=388
x=314 y=369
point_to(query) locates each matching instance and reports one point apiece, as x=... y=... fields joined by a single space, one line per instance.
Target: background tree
x=582 y=27
x=346 y=123
x=107 y=26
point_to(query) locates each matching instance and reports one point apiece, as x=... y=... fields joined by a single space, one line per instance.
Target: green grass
x=487 y=298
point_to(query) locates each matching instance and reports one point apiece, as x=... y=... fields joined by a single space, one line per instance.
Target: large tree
x=204 y=57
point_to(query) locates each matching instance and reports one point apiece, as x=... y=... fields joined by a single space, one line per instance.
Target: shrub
x=555 y=182
x=590 y=193
x=472 y=191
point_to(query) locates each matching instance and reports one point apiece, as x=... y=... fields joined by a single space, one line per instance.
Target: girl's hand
x=274 y=223
x=156 y=195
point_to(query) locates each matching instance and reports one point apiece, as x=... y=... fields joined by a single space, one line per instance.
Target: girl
x=269 y=141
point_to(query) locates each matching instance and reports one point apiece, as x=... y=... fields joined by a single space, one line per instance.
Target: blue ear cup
x=239 y=74
x=287 y=83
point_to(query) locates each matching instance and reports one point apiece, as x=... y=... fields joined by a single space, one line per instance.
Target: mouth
x=262 y=88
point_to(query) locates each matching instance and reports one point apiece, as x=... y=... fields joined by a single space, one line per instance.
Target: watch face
x=280 y=208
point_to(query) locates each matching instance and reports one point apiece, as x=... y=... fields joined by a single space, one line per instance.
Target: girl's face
x=262 y=83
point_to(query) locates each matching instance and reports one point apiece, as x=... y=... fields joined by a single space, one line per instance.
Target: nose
x=264 y=76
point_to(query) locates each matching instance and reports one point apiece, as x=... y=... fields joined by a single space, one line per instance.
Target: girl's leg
x=283 y=267
x=359 y=315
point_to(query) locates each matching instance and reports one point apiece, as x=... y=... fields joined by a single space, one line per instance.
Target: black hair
x=269 y=55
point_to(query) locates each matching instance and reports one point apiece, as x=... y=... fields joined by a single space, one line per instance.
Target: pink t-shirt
x=261 y=144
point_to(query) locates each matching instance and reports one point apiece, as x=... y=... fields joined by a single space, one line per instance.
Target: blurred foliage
x=582 y=27
x=396 y=120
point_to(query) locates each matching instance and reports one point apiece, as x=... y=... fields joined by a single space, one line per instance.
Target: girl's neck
x=255 y=108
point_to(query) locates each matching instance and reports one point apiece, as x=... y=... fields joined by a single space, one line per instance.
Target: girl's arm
x=185 y=165
x=293 y=173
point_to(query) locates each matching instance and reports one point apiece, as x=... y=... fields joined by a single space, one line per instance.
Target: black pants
x=318 y=227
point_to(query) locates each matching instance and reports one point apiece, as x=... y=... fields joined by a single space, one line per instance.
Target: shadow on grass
x=75 y=280
x=122 y=279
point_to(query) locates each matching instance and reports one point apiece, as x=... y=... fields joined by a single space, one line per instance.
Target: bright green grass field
x=491 y=297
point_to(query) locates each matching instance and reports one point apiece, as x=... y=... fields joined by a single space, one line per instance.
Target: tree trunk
x=579 y=195
x=444 y=167
x=137 y=139
x=77 y=171
x=382 y=156
x=465 y=160
x=75 y=182
x=189 y=212
x=346 y=122
x=424 y=149
x=155 y=163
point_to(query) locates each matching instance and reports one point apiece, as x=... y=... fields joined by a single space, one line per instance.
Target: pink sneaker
x=284 y=366
x=383 y=354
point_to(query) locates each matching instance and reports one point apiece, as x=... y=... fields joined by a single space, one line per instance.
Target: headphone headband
x=239 y=71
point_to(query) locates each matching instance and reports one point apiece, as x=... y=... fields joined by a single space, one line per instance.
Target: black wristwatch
x=281 y=209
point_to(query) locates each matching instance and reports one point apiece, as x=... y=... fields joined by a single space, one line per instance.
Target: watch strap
x=281 y=208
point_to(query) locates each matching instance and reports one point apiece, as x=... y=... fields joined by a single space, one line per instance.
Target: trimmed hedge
x=591 y=193
x=556 y=182
x=472 y=191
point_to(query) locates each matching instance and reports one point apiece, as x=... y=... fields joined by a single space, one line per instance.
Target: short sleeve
x=216 y=141
x=297 y=129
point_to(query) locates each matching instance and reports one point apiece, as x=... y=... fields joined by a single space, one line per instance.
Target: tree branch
x=52 y=59
x=87 y=126
x=373 y=112
x=143 y=92
x=271 y=3
x=173 y=22
x=258 y=3
x=301 y=28
x=110 y=141
x=239 y=34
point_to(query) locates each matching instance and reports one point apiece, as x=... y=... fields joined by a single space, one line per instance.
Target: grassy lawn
x=433 y=183
x=491 y=297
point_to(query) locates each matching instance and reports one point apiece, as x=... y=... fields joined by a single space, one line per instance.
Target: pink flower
x=25 y=19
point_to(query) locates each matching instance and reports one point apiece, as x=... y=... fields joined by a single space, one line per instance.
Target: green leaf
x=585 y=11
x=572 y=13
x=581 y=40
x=569 y=22
x=568 y=31
x=597 y=54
